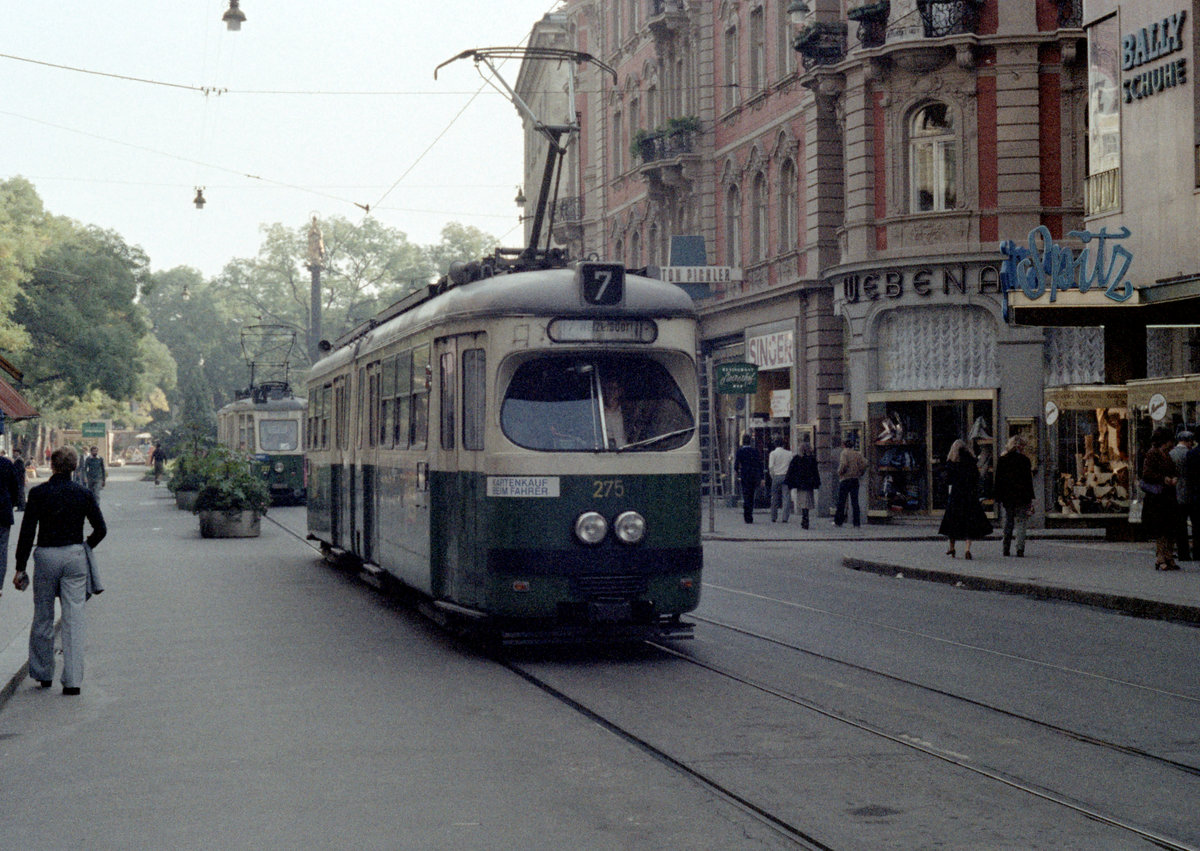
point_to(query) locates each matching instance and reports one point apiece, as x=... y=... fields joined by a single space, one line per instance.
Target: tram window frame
x=374 y=403
x=341 y=410
x=448 y=401
x=419 y=428
x=403 y=399
x=387 y=401
x=474 y=398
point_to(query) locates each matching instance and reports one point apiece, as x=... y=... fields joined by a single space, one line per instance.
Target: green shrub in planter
x=231 y=484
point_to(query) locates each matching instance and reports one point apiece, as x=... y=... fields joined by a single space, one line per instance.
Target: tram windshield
x=594 y=403
x=278 y=435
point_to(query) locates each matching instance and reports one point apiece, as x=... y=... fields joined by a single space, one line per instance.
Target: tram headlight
x=591 y=527
x=630 y=527
x=278 y=466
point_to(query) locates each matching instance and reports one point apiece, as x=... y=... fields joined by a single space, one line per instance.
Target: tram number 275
x=604 y=488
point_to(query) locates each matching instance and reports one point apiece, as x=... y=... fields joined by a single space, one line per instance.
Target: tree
x=366 y=267
x=22 y=237
x=78 y=308
x=460 y=242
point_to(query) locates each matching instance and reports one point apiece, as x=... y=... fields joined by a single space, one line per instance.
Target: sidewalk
x=16 y=607
x=1075 y=565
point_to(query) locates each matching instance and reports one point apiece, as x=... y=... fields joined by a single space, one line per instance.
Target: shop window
x=1090 y=462
x=932 y=160
x=927 y=348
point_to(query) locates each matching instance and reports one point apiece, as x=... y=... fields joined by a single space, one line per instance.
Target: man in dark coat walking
x=748 y=466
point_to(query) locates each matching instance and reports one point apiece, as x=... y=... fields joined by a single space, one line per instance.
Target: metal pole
x=314 y=326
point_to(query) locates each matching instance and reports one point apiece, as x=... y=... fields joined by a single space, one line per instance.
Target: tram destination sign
x=603 y=330
x=736 y=378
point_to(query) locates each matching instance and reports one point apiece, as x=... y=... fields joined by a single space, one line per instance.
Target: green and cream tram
x=268 y=424
x=522 y=450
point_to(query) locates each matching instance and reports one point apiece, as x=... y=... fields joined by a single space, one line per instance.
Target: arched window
x=759 y=229
x=635 y=250
x=652 y=244
x=758 y=51
x=733 y=227
x=932 y=160
x=619 y=252
x=787 y=206
x=732 y=70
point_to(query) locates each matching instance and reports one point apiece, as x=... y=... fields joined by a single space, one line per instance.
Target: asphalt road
x=242 y=694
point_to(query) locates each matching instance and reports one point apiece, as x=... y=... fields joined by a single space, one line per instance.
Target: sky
x=312 y=108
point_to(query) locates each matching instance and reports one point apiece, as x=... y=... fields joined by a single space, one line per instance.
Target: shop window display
x=909 y=442
x=1094 y=476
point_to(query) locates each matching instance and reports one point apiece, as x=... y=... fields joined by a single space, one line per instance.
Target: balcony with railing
x=665 y=18
x=666 y=155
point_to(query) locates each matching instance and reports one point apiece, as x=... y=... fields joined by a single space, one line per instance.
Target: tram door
x=460 y=364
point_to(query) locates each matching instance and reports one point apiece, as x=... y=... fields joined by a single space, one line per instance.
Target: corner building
x=852 y=168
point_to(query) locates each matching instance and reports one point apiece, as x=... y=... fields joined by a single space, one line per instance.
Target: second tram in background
x=520 y=448
x=268 y=424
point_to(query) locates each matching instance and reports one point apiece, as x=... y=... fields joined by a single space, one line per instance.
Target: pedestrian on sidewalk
x=8 y=501
x=852 y=466
x=94 y=472
x=18 y=462
x=1159 y=504
x=964 y=519
x=1014 y=492
x=1191 y=507
x=55 y=513
x=748 y=466
x=803 y=477
x=777 y=467
x=1186 y=551
x=159 y=459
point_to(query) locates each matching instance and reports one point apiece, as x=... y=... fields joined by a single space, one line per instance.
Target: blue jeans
x=781 y=494
x=847 y=488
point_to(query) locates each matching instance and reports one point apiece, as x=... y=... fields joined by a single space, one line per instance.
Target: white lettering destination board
x=522 y=486
x=700 y=274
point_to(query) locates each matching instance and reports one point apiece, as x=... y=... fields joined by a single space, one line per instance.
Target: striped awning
x=13 y=405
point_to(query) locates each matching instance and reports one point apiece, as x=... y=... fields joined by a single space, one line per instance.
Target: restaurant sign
x=1045 y=268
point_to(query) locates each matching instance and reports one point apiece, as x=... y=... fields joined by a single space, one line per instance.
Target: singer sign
x=772 y=351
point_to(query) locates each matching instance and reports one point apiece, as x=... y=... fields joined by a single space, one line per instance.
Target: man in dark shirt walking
x=55 y=512
x=94 y=473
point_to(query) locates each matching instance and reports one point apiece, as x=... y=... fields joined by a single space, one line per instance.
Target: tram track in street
x=1075 y=735
x=926 y=749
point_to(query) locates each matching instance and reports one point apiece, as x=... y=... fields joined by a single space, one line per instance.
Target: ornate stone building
x=856 y=165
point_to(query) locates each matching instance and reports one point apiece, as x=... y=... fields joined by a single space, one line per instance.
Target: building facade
x=856 y=167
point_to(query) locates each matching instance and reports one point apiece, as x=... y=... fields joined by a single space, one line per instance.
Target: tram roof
x=543 y=292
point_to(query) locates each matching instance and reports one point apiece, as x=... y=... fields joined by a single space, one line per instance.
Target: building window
x=732 y=93
x=635 y=250
x=652 y=257
x=786 y=57
x=733 y=227
x=759 y=223
x=758 y=52
x=787 y=206
x=618 y=143
x=933 y=164
x=619 y=251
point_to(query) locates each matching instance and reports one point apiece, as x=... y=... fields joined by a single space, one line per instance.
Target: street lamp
x=199 y=199
x=233 y=17
x=316 y=262
x=796 y=10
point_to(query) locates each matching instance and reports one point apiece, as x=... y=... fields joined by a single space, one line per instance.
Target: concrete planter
x=186 y=500
x=229 y=524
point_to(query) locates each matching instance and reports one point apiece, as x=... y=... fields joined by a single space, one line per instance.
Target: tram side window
x=373 y=404
x=403 y=398
x=592 y=403
x=387 y=399
x=341 y=414
x=448 y=401
x=420 y=398
x=326 y=413
x=474 y=398
x=245 y=433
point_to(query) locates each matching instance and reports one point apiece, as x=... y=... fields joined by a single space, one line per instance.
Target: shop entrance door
x=973 y=422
